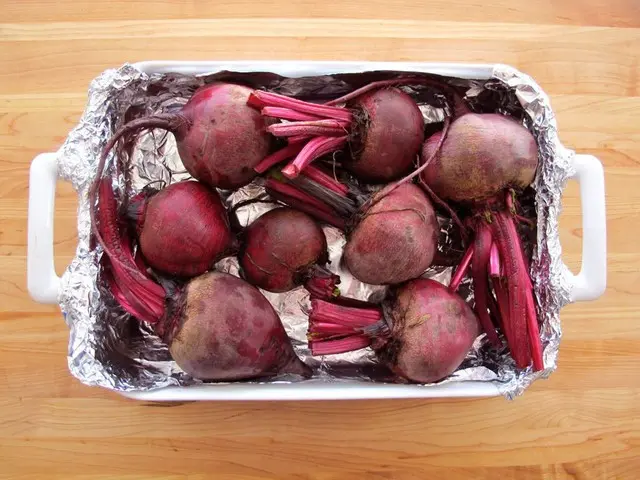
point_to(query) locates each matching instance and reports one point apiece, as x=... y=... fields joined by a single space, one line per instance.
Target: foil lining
x=109 y=348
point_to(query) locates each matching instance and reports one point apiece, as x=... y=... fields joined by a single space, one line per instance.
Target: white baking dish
x=44 y=284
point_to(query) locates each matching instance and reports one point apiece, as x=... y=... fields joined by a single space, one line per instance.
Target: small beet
x=283 y=249
x=422 y=333
x=183 y=229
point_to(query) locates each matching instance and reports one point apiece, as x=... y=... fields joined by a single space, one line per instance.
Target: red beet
x=219 y=137
x=286 y=248
x=383 y=129
x=422 y=333
x=481 y=161
x=182 y=229
x=395 y=239
x=218 y=327
x=391 y=238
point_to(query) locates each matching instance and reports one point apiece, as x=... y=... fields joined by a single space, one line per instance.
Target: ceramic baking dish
x=44 y=283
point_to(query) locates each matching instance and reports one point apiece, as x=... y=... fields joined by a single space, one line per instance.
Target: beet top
x=422 y=333
x=220 y=138
x=383 y=130
x=182 y=229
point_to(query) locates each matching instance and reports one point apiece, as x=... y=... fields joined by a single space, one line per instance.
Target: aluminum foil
x=111 y=349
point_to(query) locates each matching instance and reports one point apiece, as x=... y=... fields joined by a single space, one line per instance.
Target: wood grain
x=581 y=423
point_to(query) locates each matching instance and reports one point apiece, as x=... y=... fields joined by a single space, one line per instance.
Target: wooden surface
x=582 y=423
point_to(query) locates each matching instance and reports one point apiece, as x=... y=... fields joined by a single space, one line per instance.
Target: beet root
x=283 y=249
x=395 y=239
x=183 y=229
x=227 y=330
x=423 y=335
x=383 y=130
x=482 y=155
x=220 y=138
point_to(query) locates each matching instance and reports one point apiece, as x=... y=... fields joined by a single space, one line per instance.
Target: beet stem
x=341 y=345
x=267 y=99
x=325 y=180
x=515 y=273
x=296 y=198
x=278 y=156
x=318 y=128
x=495 y=266
x=287 y=114
x=482 y=249
x=461 y=269
x=314 y=149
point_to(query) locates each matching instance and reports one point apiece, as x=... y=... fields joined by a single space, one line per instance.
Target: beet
x=283 y=249
x=422 y=332
x=482 y=161
x=227 y=330
x=483 y=155
x=383 y=130
x=392 y=237
x=217 y=326
x=395 y=239
x=220 y=138
x=183 y=229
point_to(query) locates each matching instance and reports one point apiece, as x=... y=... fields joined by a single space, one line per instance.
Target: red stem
x=261 y=99
x=325 y=180
x=296 y=198
x=511 y=254
x=461 y=269
x=277 y=157
x=525 y=290
x=287 y=114
x=314 y=149
x=340 y=345
x=298 y=139
x=338 y=329
x=482 y=248
x=322 y=283
x=495 y=266
x=317 y=128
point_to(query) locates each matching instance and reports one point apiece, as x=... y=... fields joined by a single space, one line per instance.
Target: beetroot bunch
x=359 y=163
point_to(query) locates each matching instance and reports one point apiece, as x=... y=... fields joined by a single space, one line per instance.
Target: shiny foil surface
x=109 y=348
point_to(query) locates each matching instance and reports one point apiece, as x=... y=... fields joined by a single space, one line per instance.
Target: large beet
x=395 y=239
x=482 y=155
x=422 y=333
x=382 y=129
x=218 y=327
x=182 y=229
x=227 y=330
x=283 y=249
x=220 y=139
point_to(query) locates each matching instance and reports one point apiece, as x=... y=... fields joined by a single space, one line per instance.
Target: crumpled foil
x=109 y=348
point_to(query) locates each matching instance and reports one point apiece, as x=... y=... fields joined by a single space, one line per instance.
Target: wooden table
x=584 y=422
